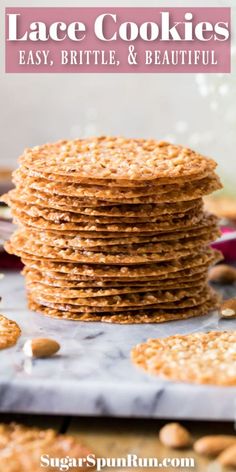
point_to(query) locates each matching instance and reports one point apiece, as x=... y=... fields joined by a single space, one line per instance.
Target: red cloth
x=228 y=248
x=9 y=262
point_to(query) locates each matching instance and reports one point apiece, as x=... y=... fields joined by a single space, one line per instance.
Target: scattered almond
x=41 y=347
x=175 y=436
x=222 y=273
x=228 y=457
x=228 y=308
x=213 y=445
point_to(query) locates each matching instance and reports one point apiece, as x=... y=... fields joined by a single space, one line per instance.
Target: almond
x=175 y=436
x=213 y=445
x=222 y=273
x=228 y=457
x=228 y=308
x=41 y=347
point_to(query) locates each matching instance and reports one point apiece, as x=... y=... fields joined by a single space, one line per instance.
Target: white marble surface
x=93 y=374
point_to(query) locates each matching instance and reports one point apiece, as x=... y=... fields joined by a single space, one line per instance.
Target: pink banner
x=117 y=40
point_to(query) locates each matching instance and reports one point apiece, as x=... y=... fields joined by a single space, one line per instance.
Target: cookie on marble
x=202 y=358
x=142 y=299
x=129 y=317
x=9 y=332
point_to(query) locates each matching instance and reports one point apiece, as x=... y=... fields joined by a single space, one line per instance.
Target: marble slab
x=93 y=374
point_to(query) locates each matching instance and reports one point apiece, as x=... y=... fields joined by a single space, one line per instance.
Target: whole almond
x=222 y=273
x=213 y=445
x=228 y=308
x=228 y=457
x=41 y=347
x=175 y=436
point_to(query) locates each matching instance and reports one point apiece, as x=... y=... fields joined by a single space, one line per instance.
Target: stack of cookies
x=113 y=229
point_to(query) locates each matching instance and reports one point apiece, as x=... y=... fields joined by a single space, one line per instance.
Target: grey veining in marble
x=93 y=375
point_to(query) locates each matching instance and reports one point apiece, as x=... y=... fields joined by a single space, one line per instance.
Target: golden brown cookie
x=205 y=358
x=170 y=239
x=109 y=224
x=117 y=158
x=74 y=217
x=21 y=245
x=152 y=316
x=169 y=248
x=35 y=279
x=9 y=332
x=207 y=256
x=192 y=273
x=142 y=299
x=32 y=197
x=22 y=447
x=170 y=193
x=171 y=224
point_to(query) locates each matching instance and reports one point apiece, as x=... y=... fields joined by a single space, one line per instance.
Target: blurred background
x=195 y=110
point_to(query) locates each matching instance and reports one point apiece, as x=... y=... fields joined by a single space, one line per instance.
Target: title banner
x=116 y=40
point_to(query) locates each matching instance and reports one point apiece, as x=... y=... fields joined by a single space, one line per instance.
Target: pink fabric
x=92 y=41
x=228 y=248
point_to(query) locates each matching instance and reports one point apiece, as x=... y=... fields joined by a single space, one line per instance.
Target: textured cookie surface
x=114 y=228
x=112 y=302
x=21 y=245
x=129 y=317
x=168 y=193
x=143 y=247
x=60 y=279
x=117 y=158
x=9 y=332
x=207 y=256
x=42 y=199
x=21 y=448
x=204 y=358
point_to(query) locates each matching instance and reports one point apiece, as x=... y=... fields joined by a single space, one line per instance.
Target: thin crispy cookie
x=65 y=280
x=189 y=191
x=203 y=358
x=155 y=316
x=170 y=224
x=29 y=196
x=121 y=300
x=20 y=247
x=171 y=247
x=208 y=256
x=201 y=295
x=9 y=332
x=117 y=158
x=106 y=193
x=74 y=217
x=22 y=447
x=71 y=239
x=70 y=288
